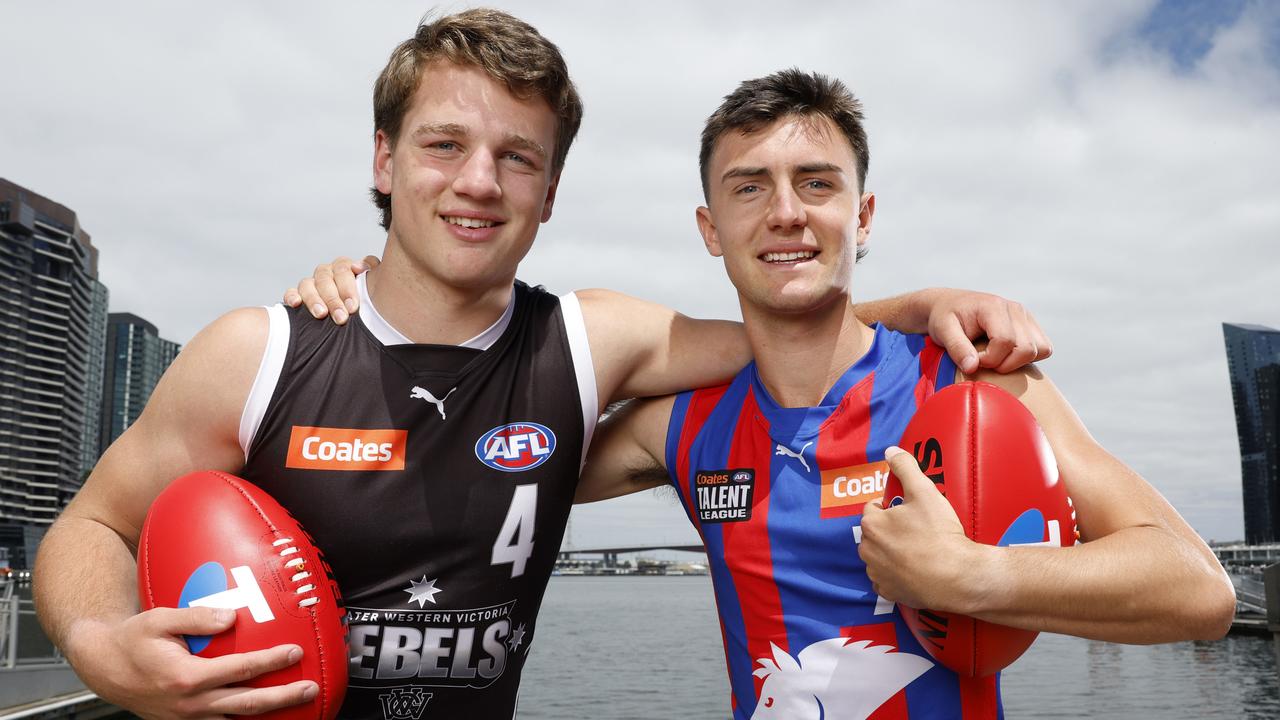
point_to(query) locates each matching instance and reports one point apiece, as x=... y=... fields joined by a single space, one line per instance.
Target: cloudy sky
x=1113 y=165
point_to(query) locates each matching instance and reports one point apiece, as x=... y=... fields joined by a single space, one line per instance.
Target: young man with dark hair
x=807 y=573
x=443 y=552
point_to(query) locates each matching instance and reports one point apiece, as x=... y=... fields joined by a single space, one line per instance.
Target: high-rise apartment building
x=1253 y=359
x=136 y=357
x=51 y=310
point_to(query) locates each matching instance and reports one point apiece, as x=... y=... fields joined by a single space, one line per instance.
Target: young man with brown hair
x=443 y=552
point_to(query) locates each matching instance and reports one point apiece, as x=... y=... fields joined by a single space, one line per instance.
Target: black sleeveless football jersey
x=437 y=481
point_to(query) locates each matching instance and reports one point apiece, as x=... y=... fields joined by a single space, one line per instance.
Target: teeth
x=788 y=256
x=469 y=222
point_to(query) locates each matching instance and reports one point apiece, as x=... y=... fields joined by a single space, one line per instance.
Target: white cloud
x=1042 y=151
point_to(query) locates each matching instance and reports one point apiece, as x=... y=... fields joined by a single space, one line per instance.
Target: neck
x=800 y=356
x=429 y=311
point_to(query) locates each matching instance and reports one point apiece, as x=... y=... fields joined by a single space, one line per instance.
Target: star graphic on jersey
x=517 y=637
x=420 y=591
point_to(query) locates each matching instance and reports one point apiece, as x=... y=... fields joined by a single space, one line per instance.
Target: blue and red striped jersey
x=777 y=496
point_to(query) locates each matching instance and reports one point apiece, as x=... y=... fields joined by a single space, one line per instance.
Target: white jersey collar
x=388 y=335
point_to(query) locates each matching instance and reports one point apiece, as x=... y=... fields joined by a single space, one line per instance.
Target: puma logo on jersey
x=421 y=393
x=320 y=448
x=788 y=452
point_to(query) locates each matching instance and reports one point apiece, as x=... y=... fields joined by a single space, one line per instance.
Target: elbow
x=1225 y=613
x=1212 y=615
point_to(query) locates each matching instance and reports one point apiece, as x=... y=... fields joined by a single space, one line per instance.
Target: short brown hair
x=509 y=49
x=758 y=103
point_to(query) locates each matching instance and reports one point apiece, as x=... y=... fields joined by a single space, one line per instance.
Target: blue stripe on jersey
x=946 y=372
x=675 y=427
x=893 y=399
x=710 y=451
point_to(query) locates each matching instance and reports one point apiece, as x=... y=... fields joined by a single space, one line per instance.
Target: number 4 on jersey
x=515 y=540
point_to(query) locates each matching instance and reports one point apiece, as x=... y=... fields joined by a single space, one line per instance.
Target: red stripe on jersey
x=701 y=403
x=844 y=443
x=747 y=552
x=979 y=698
x=930 y=357
x=895 y=708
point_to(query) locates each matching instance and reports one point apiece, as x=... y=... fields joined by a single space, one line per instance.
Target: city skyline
x=1107 y=164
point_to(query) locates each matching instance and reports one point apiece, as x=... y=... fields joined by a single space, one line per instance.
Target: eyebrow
x=817 y=167
x=440 y=129
x=514 y=140
x=523 y=143
x=742 y=172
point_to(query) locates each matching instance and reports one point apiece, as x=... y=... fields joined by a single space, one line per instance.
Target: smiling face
x=786 y=213
x=469 y=177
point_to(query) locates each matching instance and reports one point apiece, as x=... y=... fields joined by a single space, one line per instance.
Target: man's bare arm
x=136 y=659
x=627 y=452
x=643 y=349
x=1141 y=575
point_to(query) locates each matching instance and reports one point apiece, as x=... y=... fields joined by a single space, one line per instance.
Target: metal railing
x=1251 y=594
x=22 y=640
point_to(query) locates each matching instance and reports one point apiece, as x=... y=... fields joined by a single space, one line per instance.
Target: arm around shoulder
x=642 y=349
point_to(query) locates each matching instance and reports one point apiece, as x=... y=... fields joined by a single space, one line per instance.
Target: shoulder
x=221 y=361
x=602 y=305
x=242 y=325
x=1038 y=393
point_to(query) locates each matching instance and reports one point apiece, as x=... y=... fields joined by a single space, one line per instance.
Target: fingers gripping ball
x=984 y=451
x=214 y=540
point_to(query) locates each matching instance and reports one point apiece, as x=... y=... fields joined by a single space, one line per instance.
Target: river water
x=639 y=648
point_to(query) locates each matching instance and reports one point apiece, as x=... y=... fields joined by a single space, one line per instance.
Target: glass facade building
x=1253 y=360
x=136 y=357
x=52 y=319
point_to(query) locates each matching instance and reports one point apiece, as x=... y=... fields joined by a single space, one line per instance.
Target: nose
x=786 y=210
x=478 y=178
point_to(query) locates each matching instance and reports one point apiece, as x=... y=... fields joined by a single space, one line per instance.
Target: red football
x=214 y=540
x=984 y=450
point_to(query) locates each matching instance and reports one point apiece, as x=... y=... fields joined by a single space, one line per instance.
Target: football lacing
x=300 y=574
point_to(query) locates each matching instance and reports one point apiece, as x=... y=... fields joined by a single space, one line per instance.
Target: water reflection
x=1067 y=677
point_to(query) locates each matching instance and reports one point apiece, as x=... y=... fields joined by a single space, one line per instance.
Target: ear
x=551 y=198
x=866 y=210
x=382 y=150
x=707 y=226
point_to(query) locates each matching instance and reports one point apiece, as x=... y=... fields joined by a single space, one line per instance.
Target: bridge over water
x=610 y=554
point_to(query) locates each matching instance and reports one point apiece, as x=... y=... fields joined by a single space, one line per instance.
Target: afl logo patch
x=516 y=447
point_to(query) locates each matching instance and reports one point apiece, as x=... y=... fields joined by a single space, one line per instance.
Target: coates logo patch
x=845 y=491
x=724 y=495
x=207 y=587
x=516 y=447
x=321 y=448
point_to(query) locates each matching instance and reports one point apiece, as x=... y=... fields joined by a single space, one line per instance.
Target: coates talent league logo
x=207 y=587
x=516 y=447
